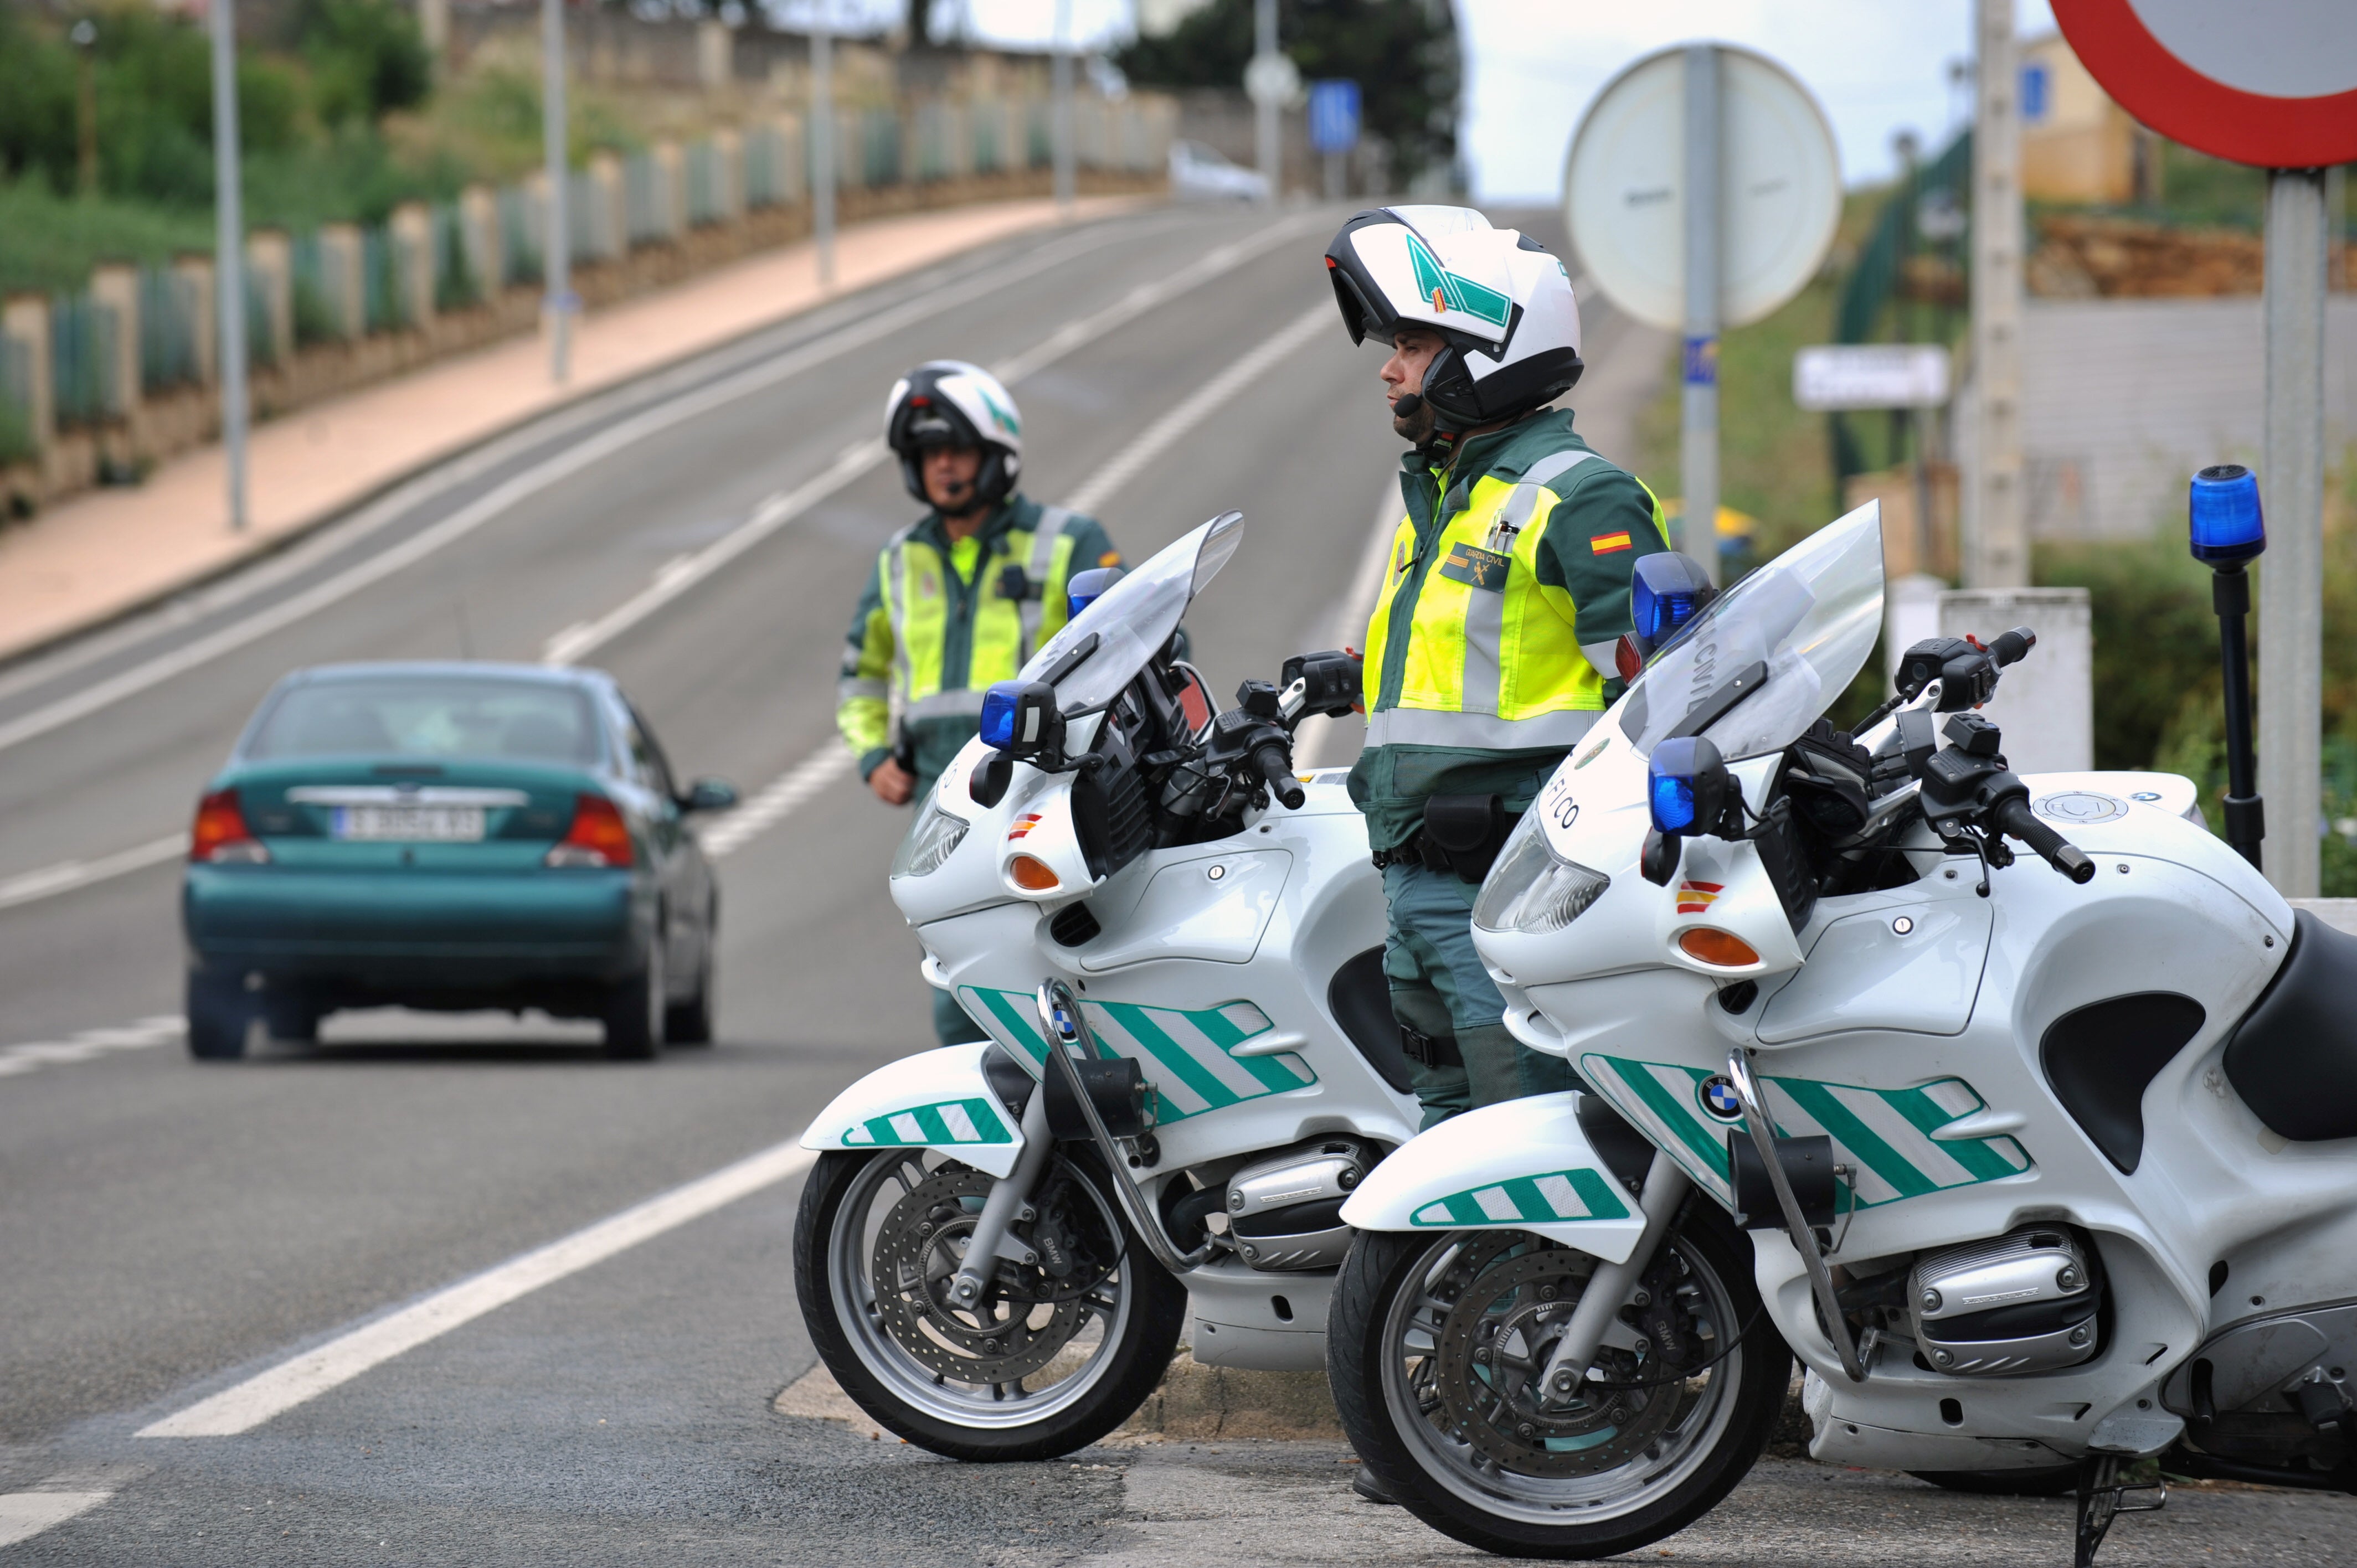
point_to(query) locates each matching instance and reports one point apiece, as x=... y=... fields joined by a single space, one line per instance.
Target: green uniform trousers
x=1440 y=991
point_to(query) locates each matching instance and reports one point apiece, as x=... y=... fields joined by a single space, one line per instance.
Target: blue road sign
x=1333 y=116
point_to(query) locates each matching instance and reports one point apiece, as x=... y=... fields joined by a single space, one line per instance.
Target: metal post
x=822 y=146
x=1698 y=441
x=228 y=255
x=1063 y=85
x=1268 y=151
x=557 y=306
x=1996 y=522
x=2230 y=597
x=2291 y=579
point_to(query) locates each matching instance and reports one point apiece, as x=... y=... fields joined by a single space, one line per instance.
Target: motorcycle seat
x=2294 y=1056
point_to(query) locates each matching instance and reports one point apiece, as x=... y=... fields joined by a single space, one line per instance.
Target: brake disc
x=1506 y=1316
x=917 y=1256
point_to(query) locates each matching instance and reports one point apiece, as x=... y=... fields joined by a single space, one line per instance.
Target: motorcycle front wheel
x=1435 y=1346
x=1043 y=1364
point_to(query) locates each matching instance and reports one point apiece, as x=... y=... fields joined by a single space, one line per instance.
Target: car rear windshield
x=526 y=721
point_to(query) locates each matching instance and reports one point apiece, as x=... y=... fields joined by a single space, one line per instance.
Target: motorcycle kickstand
x=2100 y=1493
x=1007 y=1205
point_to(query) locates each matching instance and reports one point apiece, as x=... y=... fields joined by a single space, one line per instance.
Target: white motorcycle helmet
x=1500 y=301
x=948 y=402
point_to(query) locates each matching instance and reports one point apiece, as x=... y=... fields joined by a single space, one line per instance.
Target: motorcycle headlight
x=932 y=840
x=1533 y=889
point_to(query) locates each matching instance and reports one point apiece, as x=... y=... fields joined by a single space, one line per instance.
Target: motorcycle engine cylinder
x=1284 y=1212
x=2022 y=1303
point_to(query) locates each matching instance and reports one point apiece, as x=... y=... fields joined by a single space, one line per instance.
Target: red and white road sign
x=2270 y=82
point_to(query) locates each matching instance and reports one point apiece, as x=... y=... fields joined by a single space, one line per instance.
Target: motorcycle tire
x=2045 y=1481
x=1524 y=1516
x=875 y=1370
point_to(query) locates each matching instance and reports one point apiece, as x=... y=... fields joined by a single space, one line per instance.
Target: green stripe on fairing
x=1531 y=1204
x=1855 y=1136
x=935 y=1127
x=1169 y=1053
x=1983 y=1163
x=1675 y=1116
x=1528 y=1200
x=1269 y=1072
x=1602 y=1200
x=1025 y=1031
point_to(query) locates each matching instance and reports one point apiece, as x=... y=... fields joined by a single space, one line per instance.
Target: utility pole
x=1698 y=441
x=228 y=256
x=1266 y=147
x=558 y=305
x=822 y=142
x=85 y=38
x=1063 y=107
x=1996 y=520
x=2291 y=576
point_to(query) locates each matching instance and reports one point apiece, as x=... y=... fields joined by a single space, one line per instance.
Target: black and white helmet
x=948 y=402
x=1498 y=299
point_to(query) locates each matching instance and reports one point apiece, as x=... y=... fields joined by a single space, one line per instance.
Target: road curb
x=1192 y=1402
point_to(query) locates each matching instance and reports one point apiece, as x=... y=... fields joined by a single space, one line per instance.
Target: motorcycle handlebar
x=2013 y=818
x=1277 y=766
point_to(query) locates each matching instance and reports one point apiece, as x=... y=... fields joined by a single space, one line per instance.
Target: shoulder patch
x=1109 y=558
x=1606 y=543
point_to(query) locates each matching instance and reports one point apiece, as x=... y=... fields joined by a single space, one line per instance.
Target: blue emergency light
x=1685 y=787
x=1087 y=587
x=1665 y=592
x=998 y=708
x=2223 y=517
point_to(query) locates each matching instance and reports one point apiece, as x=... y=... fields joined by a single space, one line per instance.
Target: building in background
x=2076 y=144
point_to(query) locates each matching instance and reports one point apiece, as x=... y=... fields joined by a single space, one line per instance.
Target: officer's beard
x=1411 y=421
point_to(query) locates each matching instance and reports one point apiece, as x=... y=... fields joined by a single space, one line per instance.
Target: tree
x=1402 y=53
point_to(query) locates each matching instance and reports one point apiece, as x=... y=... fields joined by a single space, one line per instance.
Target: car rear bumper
x=417 y=929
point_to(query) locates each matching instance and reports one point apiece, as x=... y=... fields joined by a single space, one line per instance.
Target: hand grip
x=1277 y=766
x=2016 y=820
x=2012 y=647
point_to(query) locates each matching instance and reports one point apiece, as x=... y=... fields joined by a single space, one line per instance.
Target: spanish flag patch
x=1606 y=543
x=1109 y=558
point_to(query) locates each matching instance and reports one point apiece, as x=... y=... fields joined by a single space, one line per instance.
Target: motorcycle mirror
x=1020 y=718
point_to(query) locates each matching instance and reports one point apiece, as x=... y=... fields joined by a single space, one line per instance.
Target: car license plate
x=440 y=824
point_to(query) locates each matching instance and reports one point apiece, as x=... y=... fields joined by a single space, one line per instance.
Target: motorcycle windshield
x=1134 y=617
x=1756 y=668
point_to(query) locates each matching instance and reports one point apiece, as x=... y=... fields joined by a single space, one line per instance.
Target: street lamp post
x=228 y=256
x=558 y=305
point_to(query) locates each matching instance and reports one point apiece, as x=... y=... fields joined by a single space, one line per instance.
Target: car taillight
x=221 y=835
x=598 y=836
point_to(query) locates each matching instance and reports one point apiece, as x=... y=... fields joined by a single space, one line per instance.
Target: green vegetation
x=338 y=120
x=1402 y=53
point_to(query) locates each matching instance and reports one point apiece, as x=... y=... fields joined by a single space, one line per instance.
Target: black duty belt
x=1428 y=1051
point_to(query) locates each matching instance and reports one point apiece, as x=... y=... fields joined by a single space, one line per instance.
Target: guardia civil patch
x=1476 y=568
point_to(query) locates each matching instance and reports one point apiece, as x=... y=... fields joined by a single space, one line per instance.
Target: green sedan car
x=449 y=836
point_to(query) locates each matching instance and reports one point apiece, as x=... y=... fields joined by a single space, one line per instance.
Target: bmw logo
x=1718 y=1097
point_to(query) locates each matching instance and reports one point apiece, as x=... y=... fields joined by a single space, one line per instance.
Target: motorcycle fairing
x=1895 y=1141
x=937 y=1099
x=1198 y=1058
x=1524 y=1165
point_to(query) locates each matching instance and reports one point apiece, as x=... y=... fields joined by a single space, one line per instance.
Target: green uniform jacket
x=1492 y=649
x=936 y=626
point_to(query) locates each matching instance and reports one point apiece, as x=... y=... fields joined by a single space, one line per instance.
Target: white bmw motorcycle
x=2041 y=1174
x=1192 y=1058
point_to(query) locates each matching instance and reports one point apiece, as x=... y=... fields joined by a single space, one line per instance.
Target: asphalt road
x=169 y=1230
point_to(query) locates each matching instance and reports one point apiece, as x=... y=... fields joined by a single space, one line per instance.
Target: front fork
x=1008 y=1205
x=1610 y=1286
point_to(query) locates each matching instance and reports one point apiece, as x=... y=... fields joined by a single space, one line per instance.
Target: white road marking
x=673 y=578
x=68 y=875
x=593 y=449
x=1212 y=395
x=305 y=1377
x=1317 y=738
x=91 y=1044
x=676 y=576
x=805 y=778
x=24 y=1515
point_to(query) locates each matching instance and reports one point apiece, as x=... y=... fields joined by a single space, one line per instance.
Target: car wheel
x=634 y=1011
x=296 y=1022
x=220 y=1013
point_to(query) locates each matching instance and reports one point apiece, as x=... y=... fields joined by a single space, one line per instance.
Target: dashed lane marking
x=163 y=1029
x=24 y=1515
x=304 y=1377
x=766 y=810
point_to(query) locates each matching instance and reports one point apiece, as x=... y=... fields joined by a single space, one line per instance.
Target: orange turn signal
x=1724 y=949
x=1032 y=875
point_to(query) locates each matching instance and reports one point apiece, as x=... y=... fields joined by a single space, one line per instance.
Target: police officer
x=959 y=599
x=1492 y=648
